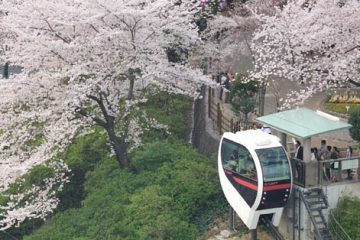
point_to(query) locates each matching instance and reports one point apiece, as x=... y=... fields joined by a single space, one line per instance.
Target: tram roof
x=303 y=122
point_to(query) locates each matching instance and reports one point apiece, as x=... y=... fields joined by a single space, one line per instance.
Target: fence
x=328 y=171
x=225 y=120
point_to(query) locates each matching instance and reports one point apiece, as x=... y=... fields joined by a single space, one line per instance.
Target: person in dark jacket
x=299 y=151
x=299 y=154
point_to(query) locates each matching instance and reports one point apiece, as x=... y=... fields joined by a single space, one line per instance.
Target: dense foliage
x=171 y=191
x=79 y=61
x=354 y=120
x=314 y=43
x=347 y=214
x=243 y=95
x=157 y=202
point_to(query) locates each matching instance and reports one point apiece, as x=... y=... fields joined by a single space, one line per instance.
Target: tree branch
x=97 y=120
x=56 y=34
x=92 y=26
x=59 y=56
x=353 y=48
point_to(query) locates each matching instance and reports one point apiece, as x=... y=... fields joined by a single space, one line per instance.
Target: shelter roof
x=303 y=123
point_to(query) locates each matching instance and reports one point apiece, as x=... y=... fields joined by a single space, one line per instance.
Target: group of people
x=325 y=152
x=224 y=79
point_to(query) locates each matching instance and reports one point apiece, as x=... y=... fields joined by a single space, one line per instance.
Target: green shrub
x=154 y=203
x=347 y=214
x=243 y=95
x=151 y=216
x=354 y=120
x=170 y=109
x=163 y=196
x=38 y=173
x=82 y=156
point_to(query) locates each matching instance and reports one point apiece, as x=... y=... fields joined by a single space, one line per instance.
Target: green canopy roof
x=303 y=122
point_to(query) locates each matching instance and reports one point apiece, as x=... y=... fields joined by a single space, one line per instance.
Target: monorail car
x=255 y=175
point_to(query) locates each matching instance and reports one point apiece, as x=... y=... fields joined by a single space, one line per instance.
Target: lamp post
x=347 y=108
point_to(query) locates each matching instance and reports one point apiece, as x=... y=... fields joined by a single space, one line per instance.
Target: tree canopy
x=85 y=63
x=314 y=43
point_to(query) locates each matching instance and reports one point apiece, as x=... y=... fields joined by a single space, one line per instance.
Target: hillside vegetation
x=347 y=214
x=171 y=191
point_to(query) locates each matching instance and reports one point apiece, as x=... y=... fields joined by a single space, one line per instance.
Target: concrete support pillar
x=311 y=173
x=283 y=140
x=307 y=149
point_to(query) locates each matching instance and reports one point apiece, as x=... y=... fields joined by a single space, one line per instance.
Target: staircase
x=315 y=201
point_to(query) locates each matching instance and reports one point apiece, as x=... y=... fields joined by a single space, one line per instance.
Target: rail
x=271 y=228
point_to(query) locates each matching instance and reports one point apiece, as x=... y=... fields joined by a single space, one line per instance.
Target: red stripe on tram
x=277 y=187
x=245 y=183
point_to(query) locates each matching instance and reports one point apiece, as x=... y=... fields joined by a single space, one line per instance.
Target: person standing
x=299 y=155
x=314 y=154
x=323 y=151
x=334 y=154
x=324 y=154
x=299 y=150
x=349 y=154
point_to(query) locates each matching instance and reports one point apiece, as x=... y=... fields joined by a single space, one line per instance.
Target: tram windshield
x=274 y=163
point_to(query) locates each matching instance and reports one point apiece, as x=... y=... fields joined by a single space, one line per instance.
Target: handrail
x=300 y=176
x=340 y=159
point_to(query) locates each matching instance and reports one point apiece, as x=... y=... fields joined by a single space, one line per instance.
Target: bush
x=82 y=156
x=347 y=214
x=162 y=197
x=243 y=95
x=173 y=110
x=354 y=120
x=155 y=203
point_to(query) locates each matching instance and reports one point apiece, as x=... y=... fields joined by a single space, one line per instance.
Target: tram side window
x=237 y=159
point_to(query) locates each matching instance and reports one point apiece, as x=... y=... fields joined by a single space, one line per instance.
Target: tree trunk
x=262 y=92
x=120 y=148
x=118 y=143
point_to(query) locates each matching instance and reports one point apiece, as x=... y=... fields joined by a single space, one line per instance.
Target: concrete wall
x=205 y=135
x=334 y=193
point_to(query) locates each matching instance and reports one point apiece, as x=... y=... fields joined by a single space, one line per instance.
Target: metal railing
x=298 y=171
x=327 y=172
x=338 y=170
x=336 y=229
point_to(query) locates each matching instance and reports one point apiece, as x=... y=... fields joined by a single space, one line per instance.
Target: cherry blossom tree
x=229 y=35
x=80 y=60
x=313 y=43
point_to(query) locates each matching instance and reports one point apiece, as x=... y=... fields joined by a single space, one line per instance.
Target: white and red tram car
x=255 y=175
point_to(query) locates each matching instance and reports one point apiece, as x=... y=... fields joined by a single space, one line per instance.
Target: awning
x=303 y=123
